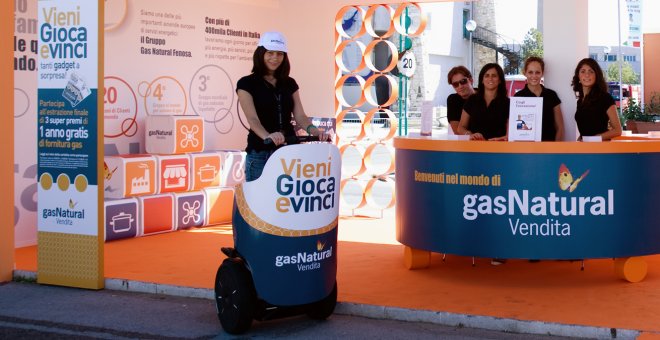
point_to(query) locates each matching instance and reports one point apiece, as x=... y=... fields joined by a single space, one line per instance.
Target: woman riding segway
x=284 y=260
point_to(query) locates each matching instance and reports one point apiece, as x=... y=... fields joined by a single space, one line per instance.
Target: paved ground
x=32 y=311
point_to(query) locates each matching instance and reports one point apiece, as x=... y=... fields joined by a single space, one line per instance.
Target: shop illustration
x=173 y=173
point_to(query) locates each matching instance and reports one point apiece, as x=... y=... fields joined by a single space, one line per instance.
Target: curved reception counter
x=529 y=200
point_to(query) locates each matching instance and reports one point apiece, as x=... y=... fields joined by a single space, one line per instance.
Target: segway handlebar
x=294 y=140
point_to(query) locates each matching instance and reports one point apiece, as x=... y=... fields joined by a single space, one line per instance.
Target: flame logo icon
x=319 y=245
x=107 y=173
x=566 y=181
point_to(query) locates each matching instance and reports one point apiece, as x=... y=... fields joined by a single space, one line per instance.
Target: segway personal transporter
x=284 y=260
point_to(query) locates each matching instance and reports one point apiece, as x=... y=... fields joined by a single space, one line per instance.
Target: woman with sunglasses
x=460 y=79
x=486 y=113
x=596 y=113
x=552 y=118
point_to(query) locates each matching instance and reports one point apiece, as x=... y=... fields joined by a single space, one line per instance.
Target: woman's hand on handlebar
x=276 y=137
x=323 y=137
x=320 y=133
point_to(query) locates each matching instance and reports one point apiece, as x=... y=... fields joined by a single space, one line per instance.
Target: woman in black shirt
x=596 y=113
x=553 y=120
x=460 y=78
x=268 y=97
x=486 y=113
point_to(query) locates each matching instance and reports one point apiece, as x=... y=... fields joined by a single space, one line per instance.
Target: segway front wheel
x=322 y=309
x=235 y=296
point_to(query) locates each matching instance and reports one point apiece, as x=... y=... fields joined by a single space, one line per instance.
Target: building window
x=611 y=57
x=631 y=58
x=593 y=56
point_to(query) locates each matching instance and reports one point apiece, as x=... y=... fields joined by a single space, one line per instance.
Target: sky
x=601 y=31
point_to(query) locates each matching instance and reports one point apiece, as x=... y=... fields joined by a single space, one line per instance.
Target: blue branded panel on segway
x=285 y=224
x=288 y=270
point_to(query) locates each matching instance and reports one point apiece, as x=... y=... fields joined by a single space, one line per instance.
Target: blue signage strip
x=67 y=135
x=541 y=206
x=288 y=271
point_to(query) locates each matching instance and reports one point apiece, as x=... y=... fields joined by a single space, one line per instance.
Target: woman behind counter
x=596 y=113
x=460 y=78
x=268 y=97
x=486 y=113
x=553 y=121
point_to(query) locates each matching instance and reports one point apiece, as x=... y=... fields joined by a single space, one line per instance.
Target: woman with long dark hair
x=269 y=99
x=596 y=113
x=486 y=113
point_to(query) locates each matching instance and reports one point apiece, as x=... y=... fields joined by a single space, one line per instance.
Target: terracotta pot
x=642 y=127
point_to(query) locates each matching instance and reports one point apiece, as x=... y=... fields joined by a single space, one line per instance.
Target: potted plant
x=642 y=118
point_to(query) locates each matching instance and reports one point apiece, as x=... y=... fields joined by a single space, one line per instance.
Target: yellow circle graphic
x=81 y=183
x=46 y=181
x=63 y=182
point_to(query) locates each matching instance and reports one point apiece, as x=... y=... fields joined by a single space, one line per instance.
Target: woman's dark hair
x=259 y=66
x=532 y=60
x=600 y=86
x=501 y=87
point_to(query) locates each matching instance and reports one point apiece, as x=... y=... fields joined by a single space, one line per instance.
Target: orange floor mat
x=371 y=272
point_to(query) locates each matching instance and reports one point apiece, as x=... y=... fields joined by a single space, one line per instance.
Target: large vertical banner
x=70 y=250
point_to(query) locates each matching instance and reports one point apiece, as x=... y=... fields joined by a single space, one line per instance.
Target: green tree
x=532 y=44
x=628 y=75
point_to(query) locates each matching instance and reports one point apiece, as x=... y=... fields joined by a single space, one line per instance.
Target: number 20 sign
x=407 y=64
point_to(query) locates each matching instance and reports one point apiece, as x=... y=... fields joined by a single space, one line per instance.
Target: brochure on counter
x=525 y=119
